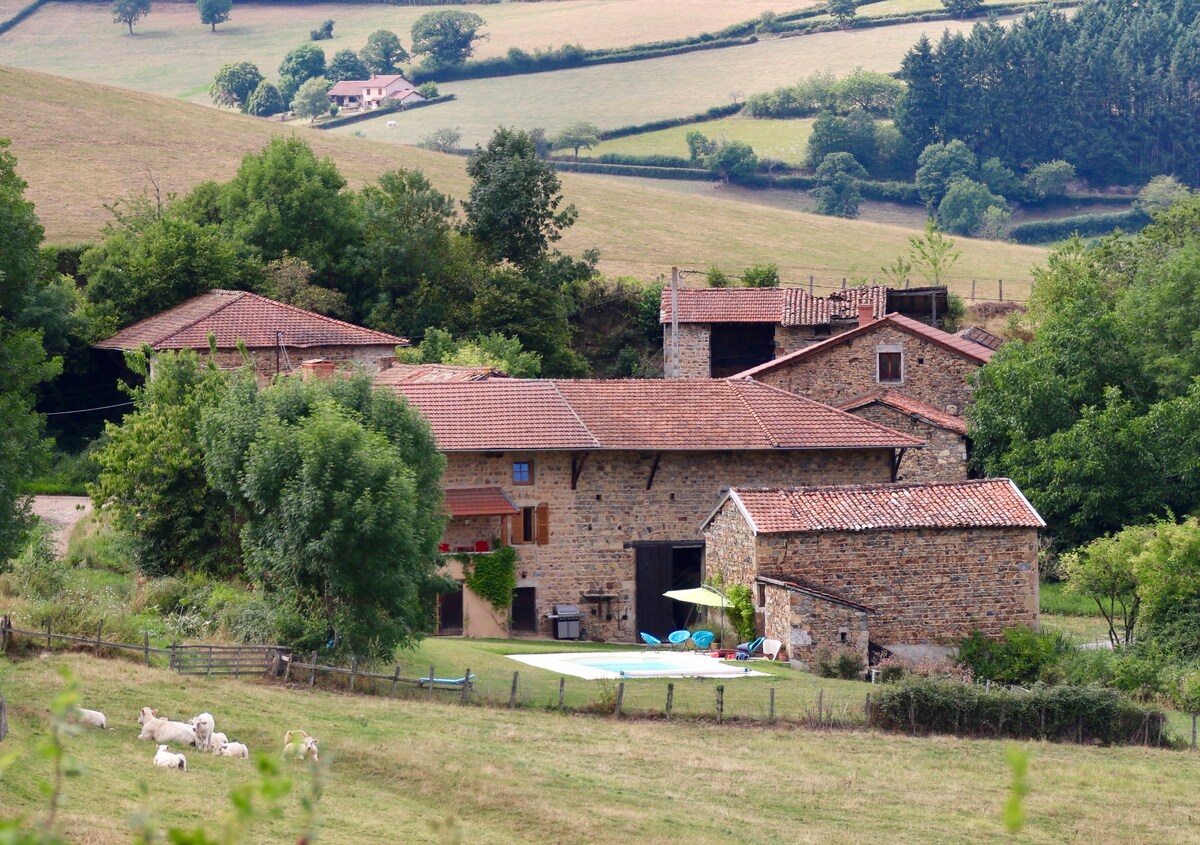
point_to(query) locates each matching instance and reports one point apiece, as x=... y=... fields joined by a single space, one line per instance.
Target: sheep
x=164 y=759
x=204 y=725
x=300 y=745
x=232 y=749
x=91 y=717
x=391 y=124
x=161 y=729
x=216 y=741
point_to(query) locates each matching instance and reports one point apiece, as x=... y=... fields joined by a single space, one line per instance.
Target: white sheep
x=204 y=725
x=161 y=729
x=299 y=744
x=216 y=741
x=232 y=749
x=391 y=124
x=165 y=759
x=91 y=717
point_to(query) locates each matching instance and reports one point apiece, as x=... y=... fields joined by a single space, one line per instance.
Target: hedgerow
x=1085 y=225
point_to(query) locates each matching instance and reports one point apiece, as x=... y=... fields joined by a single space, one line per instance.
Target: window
x=533 y=525
x=525 y=527
x=522 y=472
x=891 y=366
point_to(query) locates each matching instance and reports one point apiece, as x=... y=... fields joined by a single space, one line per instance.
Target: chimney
x=866 y=314
x=317 y=368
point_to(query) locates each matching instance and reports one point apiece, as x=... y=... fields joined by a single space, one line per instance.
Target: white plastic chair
x=770 y=649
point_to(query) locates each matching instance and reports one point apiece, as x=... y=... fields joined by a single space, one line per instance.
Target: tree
x=999 y=178
x=963 y=8
x=699 y=146
x=1103 y=570
x=513 y=209
x=996 y=223
x=1187 y=697
x=289 y=280
x=832 y=133
x=383 y=53
x=300 y=65
x=837 y=190
x=445 y=140
x=579 y=134
x=234 y=84
x=129 y=12
x=843 y=10
x=1049 y=179
x=962 y=209
x=446 y=36
x=213 y=12
x=734 y=161
x=265 y=101
x=344 y=65
x=492 y=350
x=932 y=254
x=715 y=277
x=1160 y=193
x=938 y=166
x=761 y=276
x=312 y=98
x=322 y=33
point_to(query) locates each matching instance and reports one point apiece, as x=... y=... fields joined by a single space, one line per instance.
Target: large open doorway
x=523 y=616
x=734 y=347
x=450 y=613
x=663 y=566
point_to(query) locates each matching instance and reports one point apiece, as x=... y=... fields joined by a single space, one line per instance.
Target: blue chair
x=678 y=638
x=650 y=640
x=703 y=639
x=745 y=650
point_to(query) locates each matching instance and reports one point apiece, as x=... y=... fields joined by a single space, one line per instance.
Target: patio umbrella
x=706 y=596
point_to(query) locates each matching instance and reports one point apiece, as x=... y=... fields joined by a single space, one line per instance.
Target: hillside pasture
x=395 y=769
x=172 y=53
x=786 y=140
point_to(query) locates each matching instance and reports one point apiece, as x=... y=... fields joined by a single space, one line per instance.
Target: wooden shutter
x=543 y=524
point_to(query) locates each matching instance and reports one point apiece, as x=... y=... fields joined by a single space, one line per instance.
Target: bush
x=741 y=613
x=1063 y=713
x=96 y=544
x=323 y=33
x=38 y=573
x=1017 y=658
x=844 y=663
x=1084 y=225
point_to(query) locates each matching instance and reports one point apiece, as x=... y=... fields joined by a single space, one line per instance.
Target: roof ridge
x=238 y=294
x=811 y=401
x=882 y=485
x=326 y=318
x=574 y=413
x=733 y=388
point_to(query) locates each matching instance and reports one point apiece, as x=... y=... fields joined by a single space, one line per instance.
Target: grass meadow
x=395 y=769
x=85 y=146
x=786 y=140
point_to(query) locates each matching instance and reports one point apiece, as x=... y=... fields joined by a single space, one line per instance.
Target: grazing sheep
x=164 y=759
x=204 y=725
x=161 y=729
x=233 y=749
x=391 y=124
x=298 y=744
x=216 y=741
x=91 y=717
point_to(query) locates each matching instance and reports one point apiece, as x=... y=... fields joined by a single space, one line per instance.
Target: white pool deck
x=628 y=665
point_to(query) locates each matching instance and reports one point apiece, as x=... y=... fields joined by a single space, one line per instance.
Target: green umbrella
x=706 y=596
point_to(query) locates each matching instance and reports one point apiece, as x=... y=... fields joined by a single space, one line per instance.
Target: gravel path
x=62 y=512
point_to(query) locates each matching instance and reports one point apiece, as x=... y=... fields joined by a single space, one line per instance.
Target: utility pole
x=674 y=369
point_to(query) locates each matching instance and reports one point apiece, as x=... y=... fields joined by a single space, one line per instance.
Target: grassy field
x=396 y=768
x=907 y=7
x=786 y=140
x=84 y=146
x=172 y=53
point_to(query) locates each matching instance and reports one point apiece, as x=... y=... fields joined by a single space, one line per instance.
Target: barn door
x=654 y=571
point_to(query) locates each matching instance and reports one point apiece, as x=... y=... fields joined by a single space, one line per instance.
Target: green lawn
x=396 y=768
x=786 y=140
x=1056 y=598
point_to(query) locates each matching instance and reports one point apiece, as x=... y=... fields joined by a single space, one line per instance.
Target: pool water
x=620 y=665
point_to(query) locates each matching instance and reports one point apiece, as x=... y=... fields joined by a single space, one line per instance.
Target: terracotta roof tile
x=479 y=501
x=637 y=414
x=234 y=315
x=913 y=407
x=840 y=306
x=983 y=503
x=426 y=373
x=786 y=306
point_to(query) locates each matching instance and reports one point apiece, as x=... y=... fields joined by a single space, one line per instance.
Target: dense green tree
x=1049 y=179
x=963 y=8
x=234 y=84
x=843 y=10
x=312 y=98
x=699 y=145
x=941 y=164
x=1104 y=571
x=300 y=65
x=289 y=280
x=265 y=101
x=1160 y=193
x=344 y=65
x=837 y=190
x=213 y=12
x=962 y=209
x=999 y=178
x=715 y=277
x=383 y=53
x=446 y=36
x=445 y=140
x=734 y=161
x=893 y=157
x=130 y=12
x=761 y=276
x=513 y=209
x=832 y=133
x=582 y=133
x=917 y=108
x=491 y=350
x=529 y=306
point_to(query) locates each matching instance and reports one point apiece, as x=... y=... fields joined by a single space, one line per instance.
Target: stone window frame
x=889 y=348
x=527 y=473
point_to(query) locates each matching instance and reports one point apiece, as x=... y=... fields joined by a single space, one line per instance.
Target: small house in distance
x=906 y=568
x=370 y=93
x=279 y=337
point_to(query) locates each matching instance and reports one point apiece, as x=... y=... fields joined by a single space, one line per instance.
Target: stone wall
x=944 y=457
x=804 y=624
x=695 y=356
x=589 y=526
x=463 y=532
x=926 y=585
x=267 y=362
x=789 y=339
x=847 y=370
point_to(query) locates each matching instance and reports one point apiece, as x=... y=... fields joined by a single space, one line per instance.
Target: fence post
x=3 y=634
x=843 y=282
x=670 y=699
x=562 y=691
x=353 y=671
x=171 y=664
x=146 y=647
x=312 y=675
x=466 y=686
x=867 y=711
x=1002 y=290
x=208 y=670
x=431 y=677
x=720 y=704
x=287 y=669
x=3 y=719
x=771 y=708
x=99 y=632
x=1193 y=731
x=972 y=290
x=820 y=706
x=810 y=285
x=512 y=696
x=395 y=678
x=48 y=635
x=620 y=698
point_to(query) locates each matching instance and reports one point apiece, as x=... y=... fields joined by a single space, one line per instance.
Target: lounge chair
x=678 y=638
x=650 y=640
x=746 y=650
x=702 y=640
x=444 y=682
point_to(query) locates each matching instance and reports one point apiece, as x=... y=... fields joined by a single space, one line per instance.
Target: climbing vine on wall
x=492 y=576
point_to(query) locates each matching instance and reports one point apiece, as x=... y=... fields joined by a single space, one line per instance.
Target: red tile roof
x=637 y=414
x=234 y=315
x=347 y=88
x=913 y=407
x=425 y=373
x=983 y=503
x=786 y=306
x=479 y=501
x=952 y=343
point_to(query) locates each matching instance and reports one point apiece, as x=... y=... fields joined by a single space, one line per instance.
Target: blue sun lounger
x=443 y=682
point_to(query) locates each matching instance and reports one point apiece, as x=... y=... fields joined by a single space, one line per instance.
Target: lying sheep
x=203 y=725
x=298 y=744
x=232 y=749
x=215 y=741
x=91 y=717
x=165 y=759
x=164 y=730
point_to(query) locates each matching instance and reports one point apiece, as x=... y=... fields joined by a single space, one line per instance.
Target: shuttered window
x=890 y=367
x=543 y=524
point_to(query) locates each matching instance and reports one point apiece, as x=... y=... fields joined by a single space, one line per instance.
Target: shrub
x=1084 y=225
x=322 y=33
x=38 y=573
x=844 y=663
x=741 y=613
x=1017 y=658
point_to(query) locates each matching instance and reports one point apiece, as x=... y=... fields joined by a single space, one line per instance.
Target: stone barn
x=910 y=568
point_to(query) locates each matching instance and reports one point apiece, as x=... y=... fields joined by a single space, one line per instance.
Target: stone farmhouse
x=723 y=331
x=601 y=486
x=898 y=372
x=278 y=337
x=905 y=568
x=370 y=93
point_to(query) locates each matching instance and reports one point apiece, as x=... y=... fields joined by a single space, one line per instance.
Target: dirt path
x=62 y=512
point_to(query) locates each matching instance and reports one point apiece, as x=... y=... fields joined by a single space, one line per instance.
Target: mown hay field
x=397 y=768
x=786 y=140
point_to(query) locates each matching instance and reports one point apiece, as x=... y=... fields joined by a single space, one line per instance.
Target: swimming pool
x=594 y=665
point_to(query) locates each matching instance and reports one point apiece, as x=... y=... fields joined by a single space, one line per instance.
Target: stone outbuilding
x=610 y=481
x=947 y=449
x=279 y=337
x=902 y=567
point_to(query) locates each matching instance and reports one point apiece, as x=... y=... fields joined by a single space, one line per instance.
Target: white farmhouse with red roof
x=370 y=93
